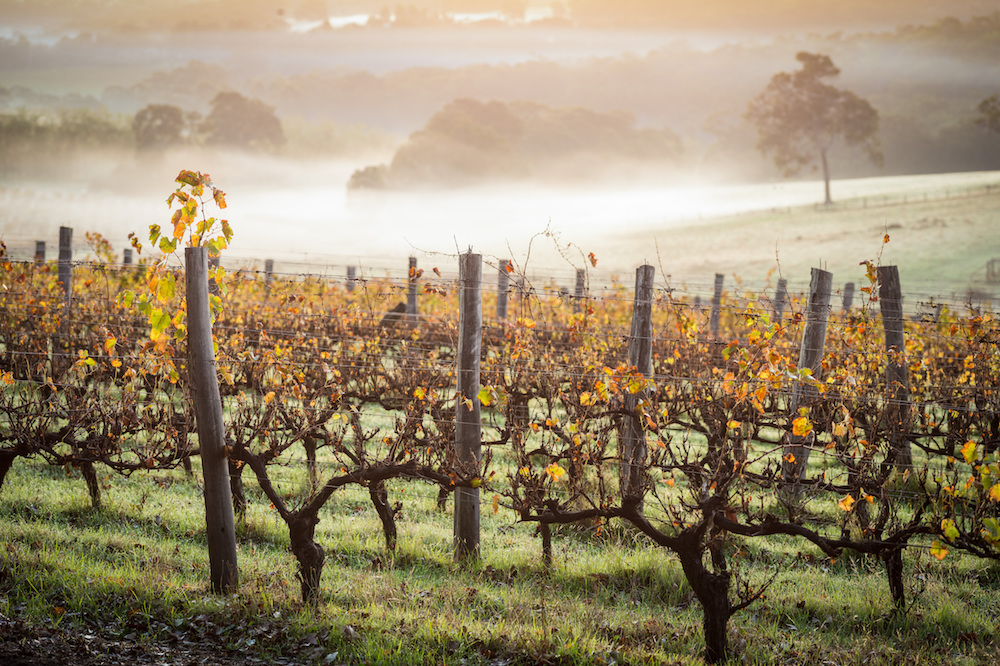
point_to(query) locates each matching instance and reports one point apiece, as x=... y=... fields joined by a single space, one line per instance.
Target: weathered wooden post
x=716 y=305
x=503 y=284
x=66 y=263
x=897 y=412
x=127 y=256
x=640 y=356
x=579 y=291
x=39 y=252
x=411 y=291
x=780 y=300
x=268 y=272
x=351 y=277
x=848 y=296
x=468 y=424
x=796 y=450
x=219 y=520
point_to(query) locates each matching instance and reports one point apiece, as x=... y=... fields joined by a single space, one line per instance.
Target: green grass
x=936 y=244
x=138 y=568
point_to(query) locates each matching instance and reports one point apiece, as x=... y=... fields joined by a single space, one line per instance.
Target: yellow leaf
x=939 y=550
x=476 y=482
x=949 y=530
x=846 y=503
x=802 y=426
x=995 y=492
x=969 y=452
x=419 y=393
x=269 y=397
x=555 y=471
x=109 y=344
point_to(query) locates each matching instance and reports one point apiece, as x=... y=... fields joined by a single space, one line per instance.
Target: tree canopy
x=236 y=120
x=989 y=113
x=158 y=126
x=799 y=117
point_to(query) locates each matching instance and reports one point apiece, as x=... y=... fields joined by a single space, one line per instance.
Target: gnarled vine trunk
x=712 y=590
x=310 y=555
x=380 y=498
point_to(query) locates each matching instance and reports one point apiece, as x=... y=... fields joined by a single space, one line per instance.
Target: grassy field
x=131 y=579
x=941 y=246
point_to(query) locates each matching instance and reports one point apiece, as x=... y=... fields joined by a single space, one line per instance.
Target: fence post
x=66 y=263
x=351 y=277
x=503 y=283
x=40 y=252
x=127 y=256
x=219 y=520
x=640 y=355
x=411 y=292
x=468 y=425
x=890 y=298
x=796 y=450
x=780 y=300
x=268 y=272
x=580 y=291
x=848 y=296
x=716 y=305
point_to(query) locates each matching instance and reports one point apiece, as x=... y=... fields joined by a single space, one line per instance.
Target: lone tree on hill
x=989 y=113
x=241 y=122
x=799 y=117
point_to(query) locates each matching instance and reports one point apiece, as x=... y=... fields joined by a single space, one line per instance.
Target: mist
x=354 y=97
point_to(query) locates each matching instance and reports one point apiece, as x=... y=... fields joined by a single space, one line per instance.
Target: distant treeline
x=471 y=142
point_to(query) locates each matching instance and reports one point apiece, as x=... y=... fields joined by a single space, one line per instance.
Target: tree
x=158 y=126
x=799 y=117
x=238 y=121
x=989 y=113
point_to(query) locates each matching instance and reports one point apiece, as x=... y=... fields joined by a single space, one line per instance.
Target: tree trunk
x=310 y=555
x=380 y=498
x=826 y=177
x=6 y=462
x=236 y=487
x=894 y=572
x=712 y=590
x=93 y=484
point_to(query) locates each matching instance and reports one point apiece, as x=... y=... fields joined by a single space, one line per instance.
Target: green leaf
x=949 y=529
x=159 y=321
x=168 y=245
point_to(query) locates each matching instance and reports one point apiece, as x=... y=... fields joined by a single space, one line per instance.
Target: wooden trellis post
x=796 y=449
x=220 y=527
x=640 y=356
x=468 y=424
x=897 y=412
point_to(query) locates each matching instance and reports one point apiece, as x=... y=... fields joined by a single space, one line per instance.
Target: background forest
x=73 y=76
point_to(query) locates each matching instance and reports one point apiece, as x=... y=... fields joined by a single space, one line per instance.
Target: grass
x=138 y=569
x=937 y=244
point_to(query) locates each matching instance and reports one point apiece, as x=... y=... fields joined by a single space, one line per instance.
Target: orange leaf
x=802 y=426
x=846 y=503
